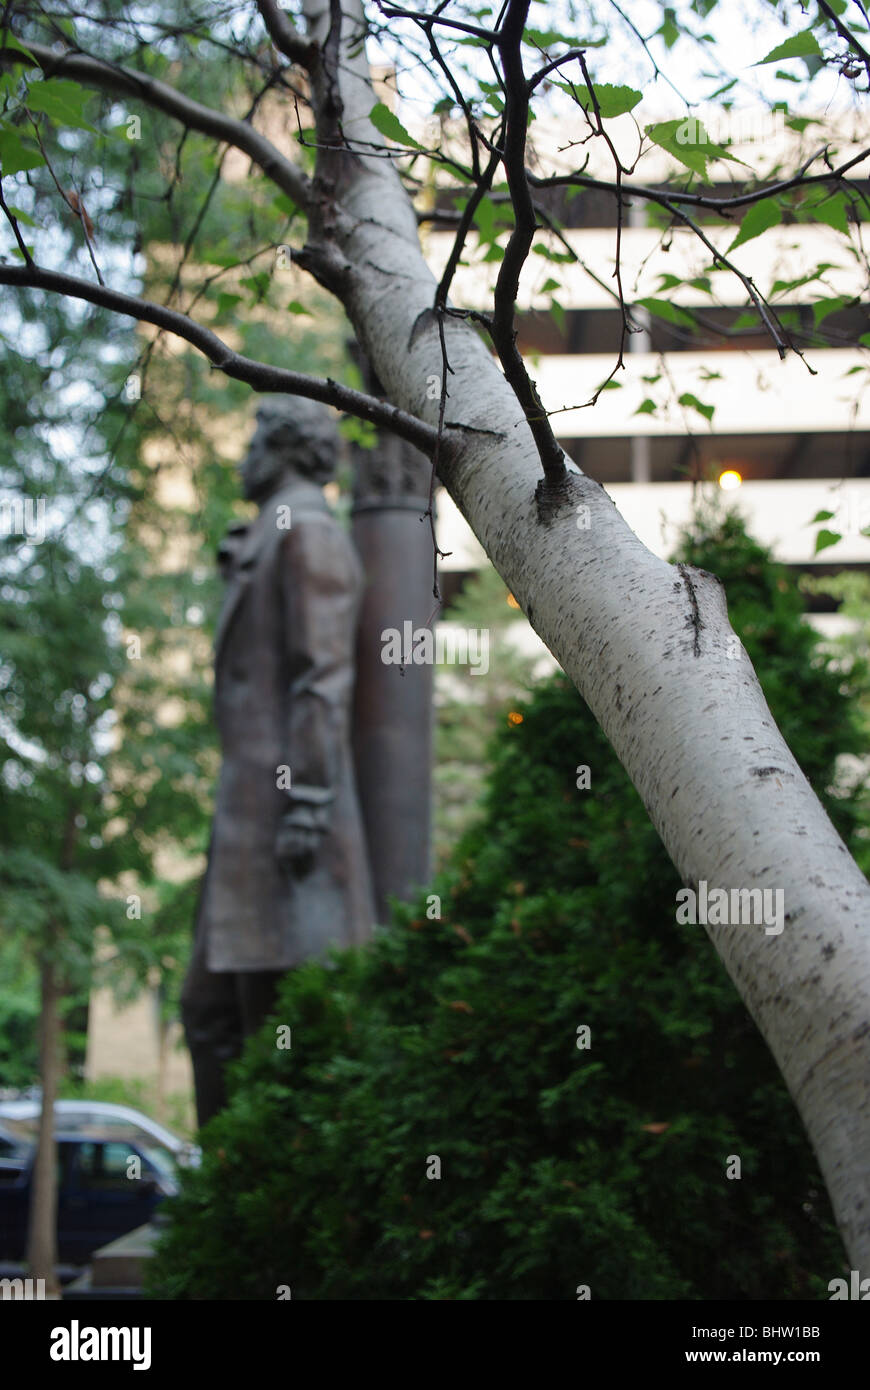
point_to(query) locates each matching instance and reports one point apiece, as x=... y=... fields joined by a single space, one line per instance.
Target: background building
x=704 y=391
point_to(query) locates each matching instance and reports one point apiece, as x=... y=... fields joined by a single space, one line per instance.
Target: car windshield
x=163 y=1159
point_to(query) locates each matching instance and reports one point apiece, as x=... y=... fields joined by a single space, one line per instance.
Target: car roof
x=94 y=1134
x=107 y=1111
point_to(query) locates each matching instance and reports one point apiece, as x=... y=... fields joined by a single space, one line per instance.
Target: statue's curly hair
x=304 y=432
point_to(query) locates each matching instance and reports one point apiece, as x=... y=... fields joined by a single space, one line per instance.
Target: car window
x=117 y=1168
x=104 y=1165
x=12 y=1148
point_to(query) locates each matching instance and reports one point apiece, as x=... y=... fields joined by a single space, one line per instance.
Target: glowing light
x=729 y=480
x=515 y=717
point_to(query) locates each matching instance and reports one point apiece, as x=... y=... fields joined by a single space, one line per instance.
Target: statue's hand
x=296 y=847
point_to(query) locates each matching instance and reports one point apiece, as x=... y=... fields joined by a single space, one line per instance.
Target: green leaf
x=615 y=101
x=610 y=385
x=691 y=401
x=821 y=516
x=832 y=211
x=646 y=407
x=759 y=217
x=360 y=432
x=802 y=45
x=823 y=307
x=558 y=314
x=258 y=284
x=670 y=30
x=386 y=123
x=486 y=219
x=688 y=141
x=825 y=538
x=672 y=313
x=720 y=91
x=224 y=259
x=546 y=38
x=62 y=101
x=294 y=307
x=15 y=155
x=560 y=257
x=226 y=301
x=787 y=286
x=13 y=45
x=21 y=216
x=550 y=285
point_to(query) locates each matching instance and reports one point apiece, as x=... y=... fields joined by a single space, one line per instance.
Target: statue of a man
x=287 y=869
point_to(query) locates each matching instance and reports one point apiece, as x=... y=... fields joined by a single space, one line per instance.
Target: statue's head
x=293 y=436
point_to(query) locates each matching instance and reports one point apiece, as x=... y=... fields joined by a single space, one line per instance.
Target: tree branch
x=699 y=200
x=481 y=189
x=846 y=33
x=284 y=35
x=259 y=375
x=513 y=152
x=122 y=81
x=396 y=12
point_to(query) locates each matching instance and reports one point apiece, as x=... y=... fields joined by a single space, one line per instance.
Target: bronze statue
x=287 y=871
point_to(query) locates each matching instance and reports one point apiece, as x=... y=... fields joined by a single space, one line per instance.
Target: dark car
x=14 y=1152
x=106 y=1187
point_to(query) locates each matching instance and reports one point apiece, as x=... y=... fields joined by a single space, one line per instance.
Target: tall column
x=639 y=342
x=392 y=705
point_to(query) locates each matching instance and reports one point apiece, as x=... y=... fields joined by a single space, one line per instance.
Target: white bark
x=646 y=644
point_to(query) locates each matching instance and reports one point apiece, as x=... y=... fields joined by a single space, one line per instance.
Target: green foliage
x=469 y=706
x=456 y=1037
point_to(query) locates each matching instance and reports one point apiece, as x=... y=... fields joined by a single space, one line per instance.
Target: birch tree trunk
x=647 y=644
